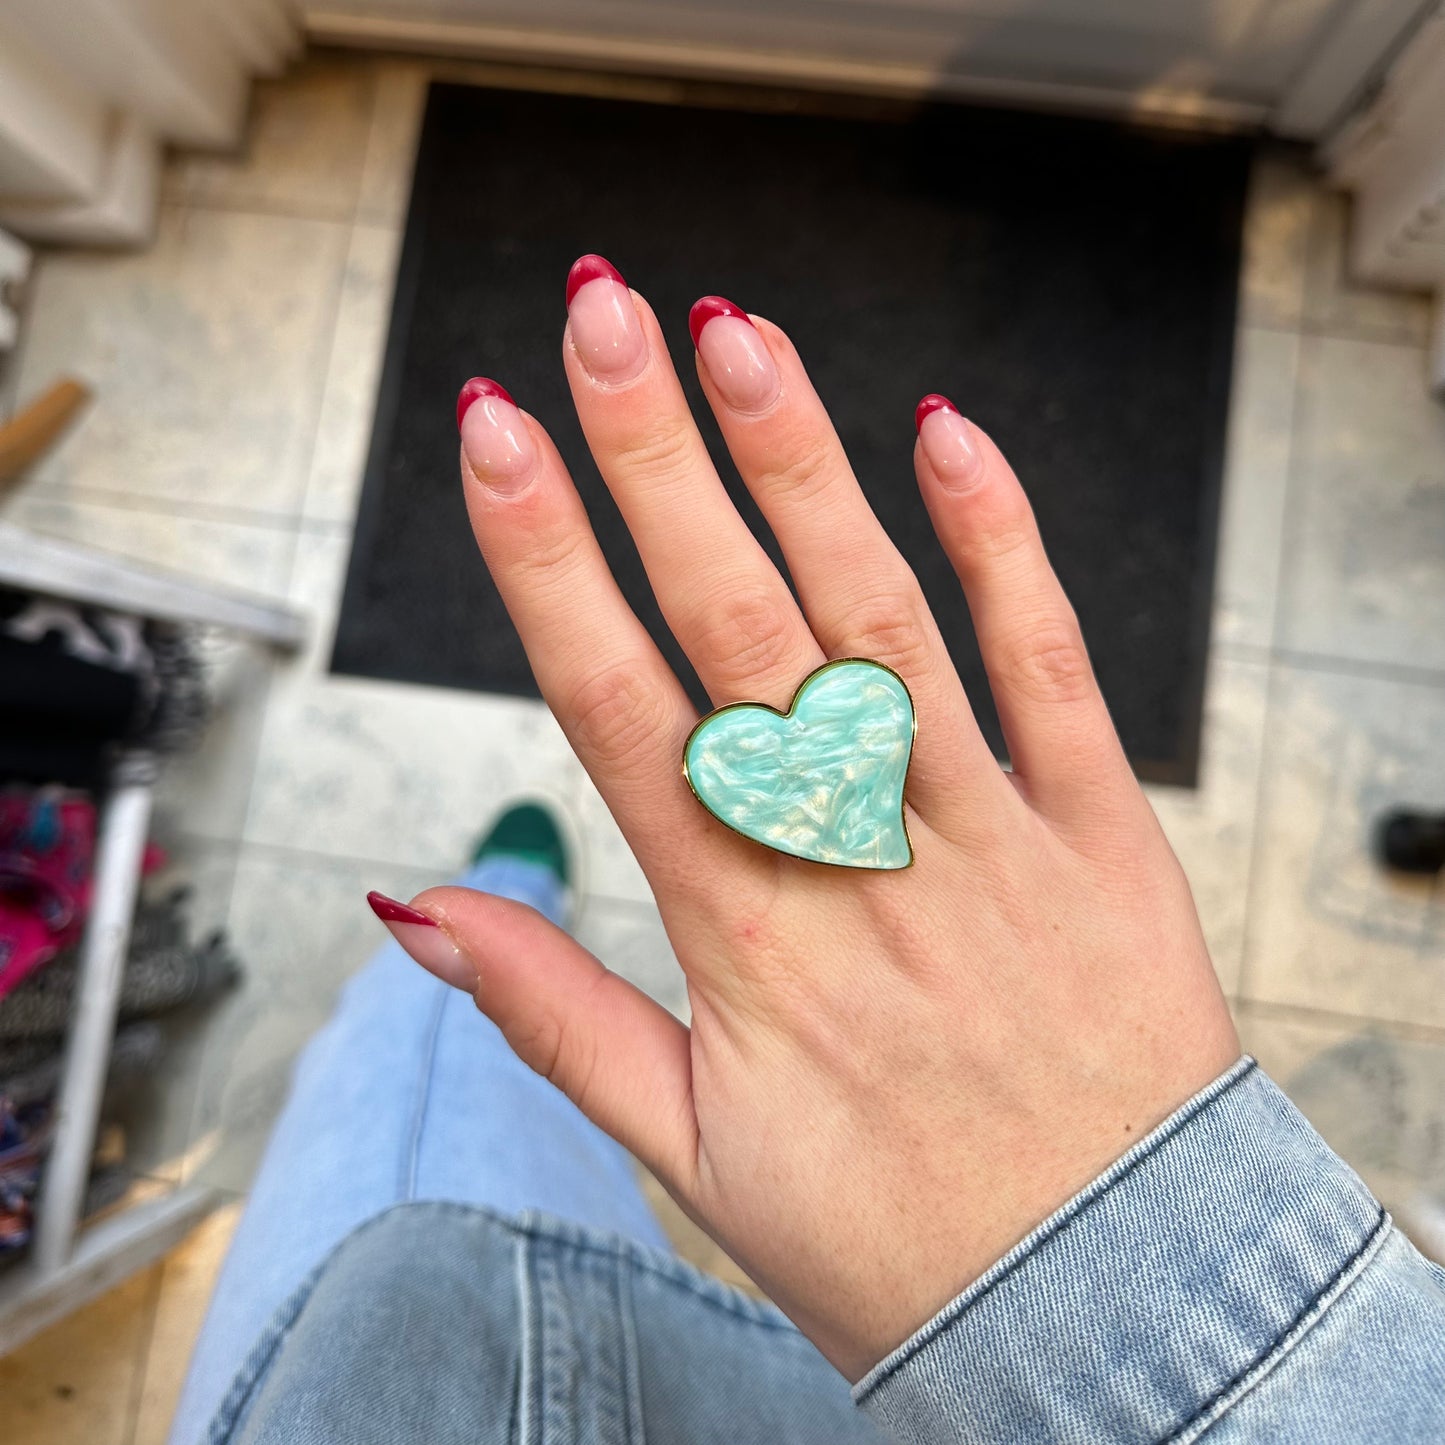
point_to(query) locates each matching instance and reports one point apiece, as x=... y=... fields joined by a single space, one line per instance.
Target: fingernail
x=605 y=329
x=425 y=942
x=947 y=440
x=734 y=353
x=498 y=445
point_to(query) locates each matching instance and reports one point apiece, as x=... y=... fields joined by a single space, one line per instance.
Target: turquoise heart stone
x=824 y=780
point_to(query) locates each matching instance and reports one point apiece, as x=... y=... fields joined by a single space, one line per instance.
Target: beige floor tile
x=305 y=145
x=188 y=1276
x=630 y=939
x=1364 y=562
x=1337 y=303
x=77 y=1381
x=1435 y=922
x=383 y=770
x=1211 y=827
x=1328 y=928
x=206 y=353
x=409 y=775
x=401 y=86
x=1376 y=1094
x=1278 y=217
x=1256 y=475
x=615 y=871
x=343 y=433
x=302 y=927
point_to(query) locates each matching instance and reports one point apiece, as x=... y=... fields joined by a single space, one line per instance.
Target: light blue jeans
x=407 y=1094
x=440 y=1248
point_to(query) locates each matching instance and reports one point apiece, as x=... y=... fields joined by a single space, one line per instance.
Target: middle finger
x=859 y=595
x=721 y=595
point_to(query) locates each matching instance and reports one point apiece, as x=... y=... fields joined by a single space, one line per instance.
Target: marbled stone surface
x=824 y=781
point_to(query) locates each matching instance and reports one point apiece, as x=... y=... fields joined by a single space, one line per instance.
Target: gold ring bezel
x=792 y=707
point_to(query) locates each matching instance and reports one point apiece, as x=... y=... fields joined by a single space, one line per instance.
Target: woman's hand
x=891 y=1077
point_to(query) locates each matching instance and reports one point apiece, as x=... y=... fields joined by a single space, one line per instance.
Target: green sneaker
x=529 y=831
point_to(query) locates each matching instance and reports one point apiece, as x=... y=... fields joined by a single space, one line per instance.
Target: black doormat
x=1070 y=284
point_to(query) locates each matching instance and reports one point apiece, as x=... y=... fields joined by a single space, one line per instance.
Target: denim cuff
x=1156 y=1297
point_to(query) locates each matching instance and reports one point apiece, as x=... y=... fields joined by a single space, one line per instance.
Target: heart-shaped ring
x=822 y=781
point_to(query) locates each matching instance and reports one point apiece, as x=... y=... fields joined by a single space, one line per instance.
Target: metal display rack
x=70 y=1264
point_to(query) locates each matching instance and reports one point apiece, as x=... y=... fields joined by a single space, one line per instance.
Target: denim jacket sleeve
x=1228 y=1278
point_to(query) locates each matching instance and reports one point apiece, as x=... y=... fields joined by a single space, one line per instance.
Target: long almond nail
x=734 y=353
x=495 y=438
x=947 y=439
x=420 y=936
x=605 y=330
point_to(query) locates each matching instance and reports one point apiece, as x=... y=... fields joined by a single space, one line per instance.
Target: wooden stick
x=28 y=435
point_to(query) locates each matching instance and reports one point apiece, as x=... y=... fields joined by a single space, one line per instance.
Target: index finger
x=619 y=703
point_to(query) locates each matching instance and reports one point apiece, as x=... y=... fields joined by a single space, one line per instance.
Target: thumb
x=618 y=1055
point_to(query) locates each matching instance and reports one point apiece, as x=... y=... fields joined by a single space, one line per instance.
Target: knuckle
x=560 y=1055
x=745 y=637
x=537 y=1039
x=615 y=718
x=1007 y=530
x=659 y=451
x=893 y=629
x=915 y=944
x=552 y=556
x=809 y=467
x=1049 y=665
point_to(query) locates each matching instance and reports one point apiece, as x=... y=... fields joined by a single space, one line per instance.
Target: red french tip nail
x=591 y=268
x=707 y=308
x=477 y=387
x=390 y=911
x=930 y=404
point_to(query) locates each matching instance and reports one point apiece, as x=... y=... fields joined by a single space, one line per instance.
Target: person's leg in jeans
x=408 y=1093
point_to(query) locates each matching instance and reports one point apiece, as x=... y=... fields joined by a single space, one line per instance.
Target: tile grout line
x=217 y=513
x=365 y=220
x=206 y=1062
x=347 y=528
x=1328 y=331
x=1318 y=662
x=240 y=844
x=290 y=568
x=1304 y=1013
x=1283 y=578
x=141 y=1363
x=292 y=533
x=222 y=206
x=1331 y=664
x=369 y=150
x=192 y=1114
